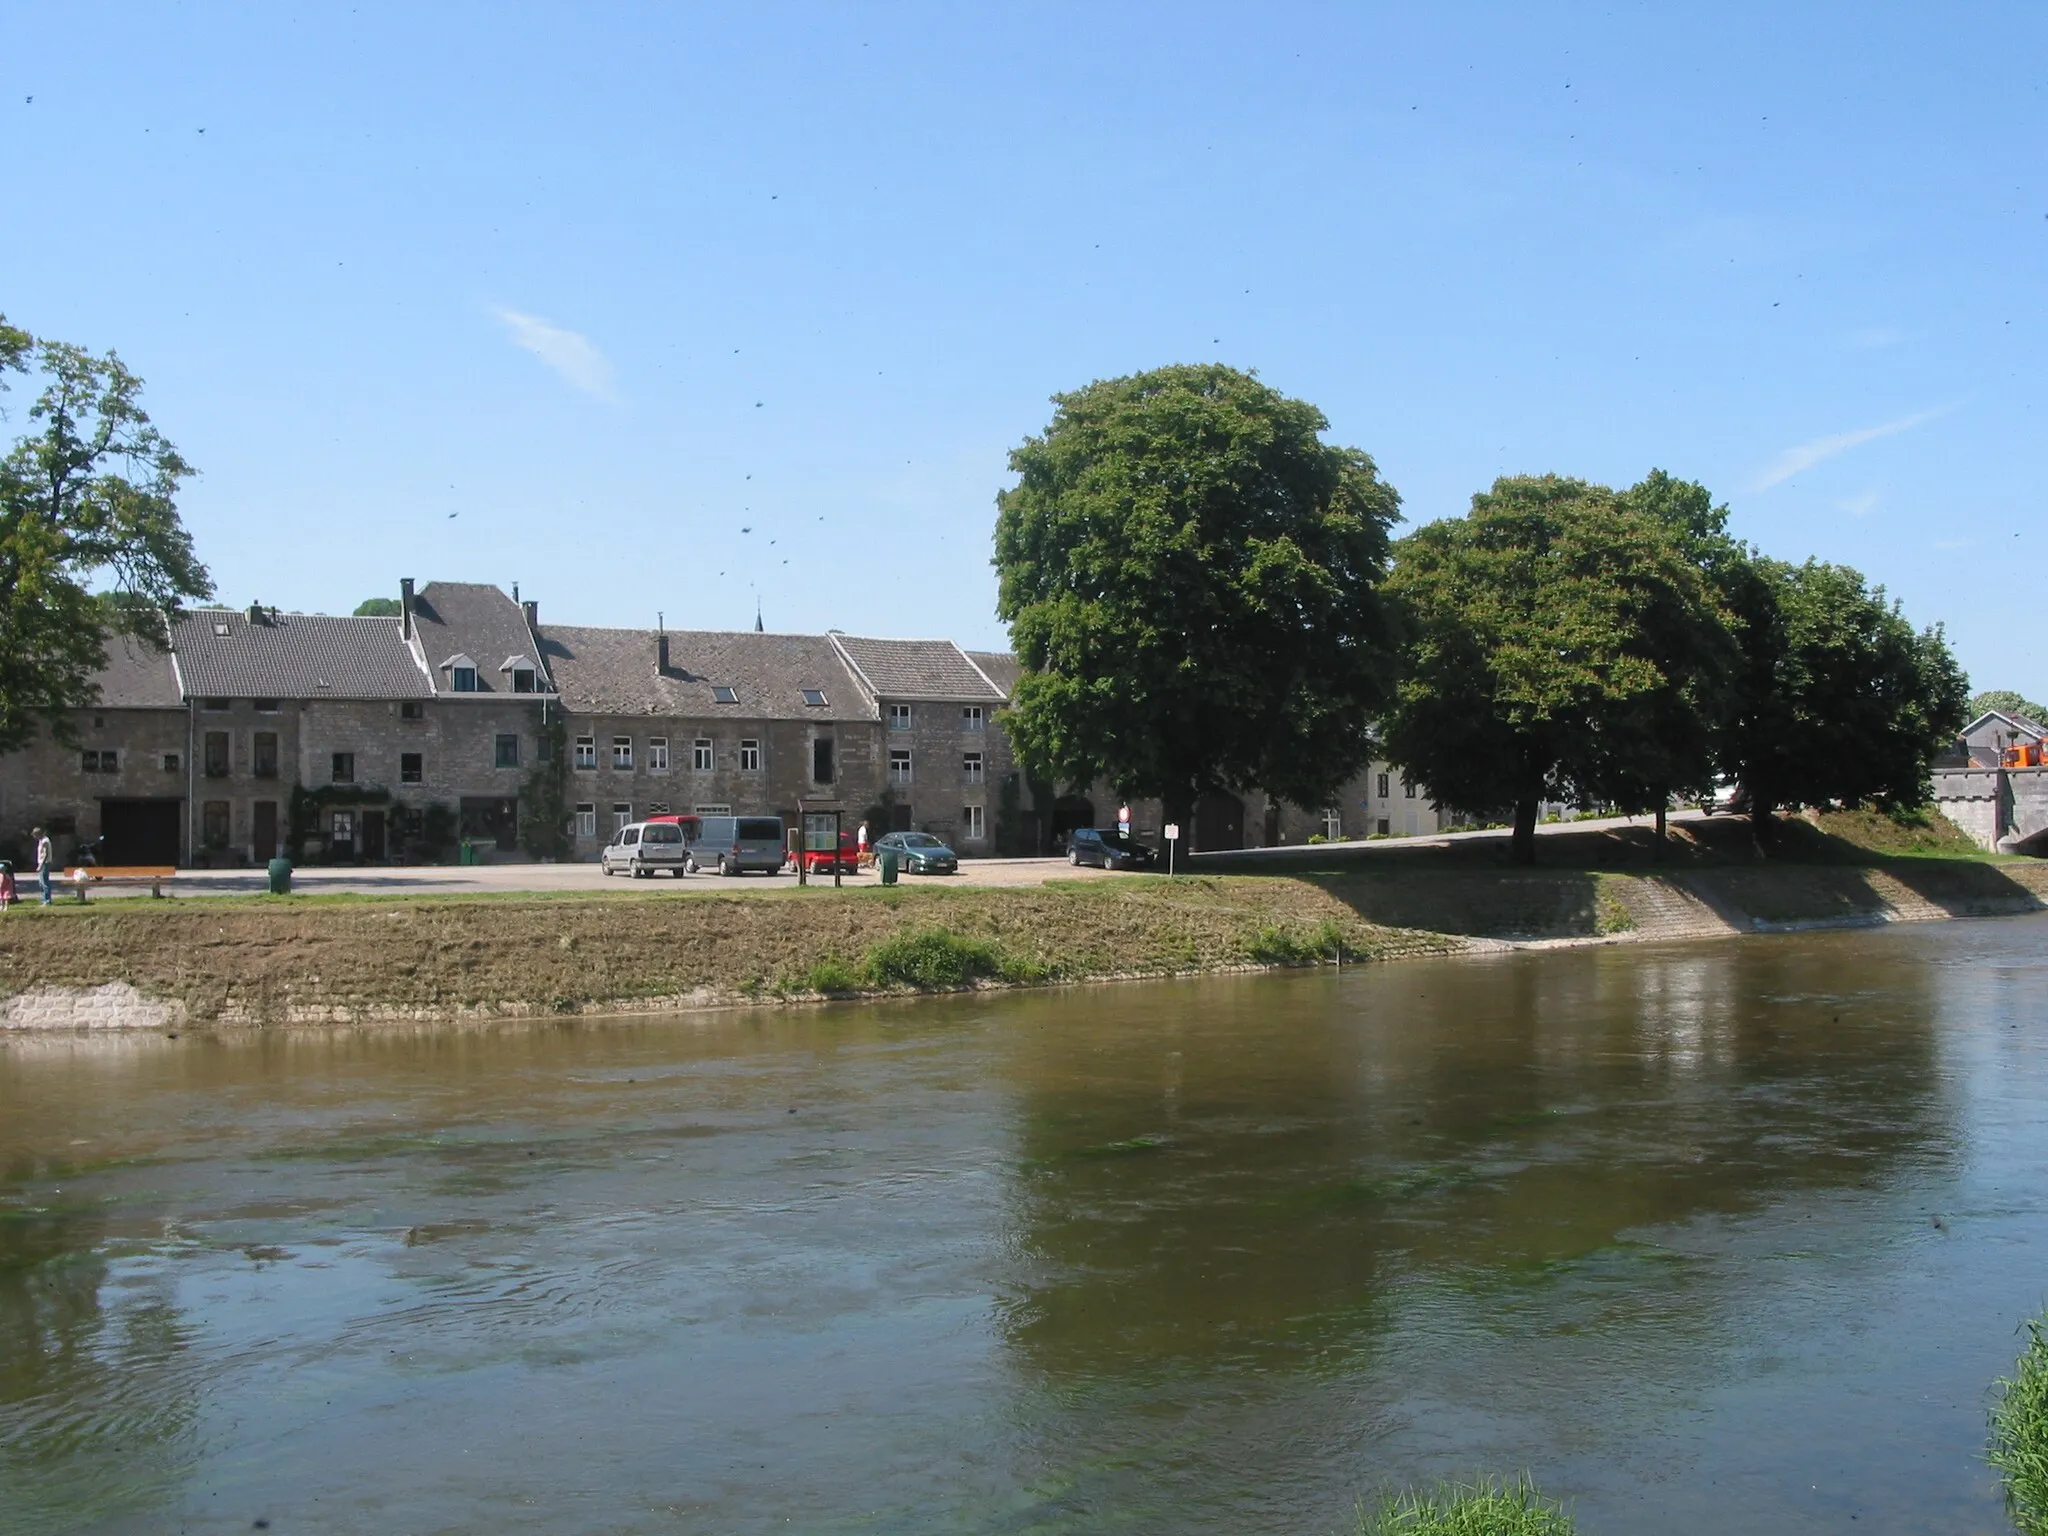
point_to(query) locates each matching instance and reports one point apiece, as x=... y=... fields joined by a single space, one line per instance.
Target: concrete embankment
x=257 y=961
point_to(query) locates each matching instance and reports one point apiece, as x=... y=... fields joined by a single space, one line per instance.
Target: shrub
x=832 y=976
x=1486 y=1508
x=1273 y=945
x=2019 y=1433
x=932 y=959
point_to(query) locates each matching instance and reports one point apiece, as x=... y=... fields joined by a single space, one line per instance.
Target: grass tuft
x=933 y=960
x=833 y=977
x=1275 y=945
x=1485 y=1508
x=2019 y=1433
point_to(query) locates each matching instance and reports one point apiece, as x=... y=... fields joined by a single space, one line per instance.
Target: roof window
x=220 y=629
x=723 y=694
x=815 y=697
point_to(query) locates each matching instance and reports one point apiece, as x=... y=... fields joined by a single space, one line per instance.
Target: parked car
x=735 y=844
x=644 y=847
x=821 y=861
x=1107 y=848
x=1726 y=795
x=920 y=853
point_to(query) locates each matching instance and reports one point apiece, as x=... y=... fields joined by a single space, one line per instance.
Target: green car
x=919 y=853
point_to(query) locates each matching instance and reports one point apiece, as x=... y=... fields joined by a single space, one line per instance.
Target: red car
x=822 y=861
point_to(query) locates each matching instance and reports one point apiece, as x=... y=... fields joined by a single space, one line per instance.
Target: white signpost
x=1172 y=837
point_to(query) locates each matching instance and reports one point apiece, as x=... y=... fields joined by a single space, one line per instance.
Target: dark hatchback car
x=1107 y=849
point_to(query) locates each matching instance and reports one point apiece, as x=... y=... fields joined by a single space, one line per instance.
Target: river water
x=1708 y=1238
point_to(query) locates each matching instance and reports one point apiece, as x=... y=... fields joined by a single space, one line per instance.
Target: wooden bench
x=155 y=876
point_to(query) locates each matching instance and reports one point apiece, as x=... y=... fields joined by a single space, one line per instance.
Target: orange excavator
x=2024 y=754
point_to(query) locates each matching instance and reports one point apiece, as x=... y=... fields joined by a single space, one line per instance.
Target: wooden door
x=266 y=831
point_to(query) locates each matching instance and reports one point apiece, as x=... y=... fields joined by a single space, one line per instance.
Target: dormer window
x=522 y=671
x=722 y=694
x=461 y=670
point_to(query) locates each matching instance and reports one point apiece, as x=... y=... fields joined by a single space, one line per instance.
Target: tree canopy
x=1838 y=700
x=2006 y=702
x=1191 y=578
x=377 y=608
x=1565 y=644
x=90 y=542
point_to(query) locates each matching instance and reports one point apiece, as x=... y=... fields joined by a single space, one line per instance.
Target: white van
x=735 y=844
x=645 y=846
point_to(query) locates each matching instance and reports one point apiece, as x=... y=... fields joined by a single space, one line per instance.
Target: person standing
x=46 y=860
x=860 y=847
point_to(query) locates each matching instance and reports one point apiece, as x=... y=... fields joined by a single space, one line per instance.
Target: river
x=1712 y=1237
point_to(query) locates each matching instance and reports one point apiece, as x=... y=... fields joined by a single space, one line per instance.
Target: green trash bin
x=885 y=861
x=280 y=871
x=467 y=852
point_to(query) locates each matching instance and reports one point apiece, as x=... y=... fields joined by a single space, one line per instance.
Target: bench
x=155 y=876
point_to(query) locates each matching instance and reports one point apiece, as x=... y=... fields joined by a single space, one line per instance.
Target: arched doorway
x=1069 y=812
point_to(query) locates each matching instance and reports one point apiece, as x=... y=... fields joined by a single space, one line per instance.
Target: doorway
x=265 y=830
x=1219 y=822
x=899 y=817
x=1069 y=812
x=373 y=836
x=142 y=831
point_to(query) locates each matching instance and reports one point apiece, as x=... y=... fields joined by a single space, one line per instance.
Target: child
x=7 y=892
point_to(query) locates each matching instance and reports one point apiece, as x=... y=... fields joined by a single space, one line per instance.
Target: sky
x=684 y=310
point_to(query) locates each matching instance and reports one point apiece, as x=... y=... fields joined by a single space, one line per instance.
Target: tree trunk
x=1179 y=810
x=1763 y=825
x=1657 y=848
x=1523 y=849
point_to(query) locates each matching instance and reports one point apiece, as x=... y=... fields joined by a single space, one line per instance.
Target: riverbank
x=248 y=961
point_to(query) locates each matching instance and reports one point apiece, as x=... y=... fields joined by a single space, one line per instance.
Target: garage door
x=142 y=831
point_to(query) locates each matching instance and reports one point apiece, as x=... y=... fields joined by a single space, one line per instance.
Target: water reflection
x=1203 y=1257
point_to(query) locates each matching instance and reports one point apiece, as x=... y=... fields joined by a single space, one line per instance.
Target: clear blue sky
x=616 y=284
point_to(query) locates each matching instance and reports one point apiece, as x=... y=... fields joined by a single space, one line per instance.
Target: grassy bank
x=253 y=959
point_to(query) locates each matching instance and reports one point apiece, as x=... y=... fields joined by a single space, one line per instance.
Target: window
x=544 y=748
x=463 y=679
x=899 y=717
x=622 y=753
x=657 y=754
x=1407 y=787
x=815 y=697
x=899 y=767
x=701 y=754
x=522 y=680
x=344 y=767
x=263 y=757
x=107 y=761
x=1333 y=824
x=173 y=762
x=412 y=768
x=971 y=821
x=750 y=757
x=214 y=706
x=507 y=751
x=266 y=706
x=714 y=810
x=821 y=760
x=586 y=751
x=213 y=824
x=970 y=767
x=586 y=820
x=622 y=815
x=216 y=754
x=721 y=694
x=1384 y=827
x=970 y=718
x=1383 y=786
x=657 y=807
x=411 y=709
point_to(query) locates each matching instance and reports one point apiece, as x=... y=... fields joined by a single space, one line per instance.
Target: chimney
x=532 y=608
x=256 y=615
x=661 y=653
x=405 y=607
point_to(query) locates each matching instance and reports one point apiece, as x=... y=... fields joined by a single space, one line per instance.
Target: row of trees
x=1205 y=595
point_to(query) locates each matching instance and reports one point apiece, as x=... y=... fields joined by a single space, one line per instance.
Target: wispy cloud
x=568 y=352
x=1859 y=506
x=1797 y=460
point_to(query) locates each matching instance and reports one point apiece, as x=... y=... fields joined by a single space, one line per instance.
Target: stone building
x=1993 y=783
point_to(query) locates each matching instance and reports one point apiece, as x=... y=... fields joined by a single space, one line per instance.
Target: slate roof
x=295 y=656
x=2018 y=722
x=136 y=677
x=611 y=671
x=916 y=669
x=475 y=619
x=1001 y=667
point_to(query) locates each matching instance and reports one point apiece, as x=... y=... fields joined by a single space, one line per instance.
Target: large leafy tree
x=2006 y=702
x=1839 y=700
x=1191 y=578
x=90 y=542
x=1560 y=637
